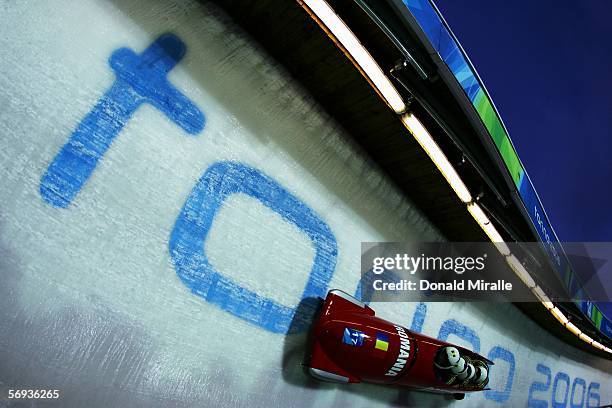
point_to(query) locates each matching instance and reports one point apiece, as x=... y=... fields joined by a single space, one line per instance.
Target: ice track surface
x=165 y=208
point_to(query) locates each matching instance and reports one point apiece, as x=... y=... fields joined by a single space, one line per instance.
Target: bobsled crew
x=350 y=344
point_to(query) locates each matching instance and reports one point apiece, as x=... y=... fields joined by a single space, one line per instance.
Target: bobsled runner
x=349 y=344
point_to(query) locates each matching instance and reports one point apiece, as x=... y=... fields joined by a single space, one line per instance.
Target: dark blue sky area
x=548 y=67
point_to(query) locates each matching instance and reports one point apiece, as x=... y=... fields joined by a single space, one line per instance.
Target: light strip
x=548 y=305
x=572 y=327
x=539 y=293
x=437 y=156
x=488 y=227
x=334 y=24
x=520 y=271
x=335 y=27
x=559 y=315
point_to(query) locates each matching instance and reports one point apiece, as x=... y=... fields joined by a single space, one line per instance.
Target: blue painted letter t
x=139 y=79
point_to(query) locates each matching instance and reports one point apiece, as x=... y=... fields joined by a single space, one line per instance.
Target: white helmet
x=468 y=373
x=481 y=375
x=447 y=358
x=459 y=367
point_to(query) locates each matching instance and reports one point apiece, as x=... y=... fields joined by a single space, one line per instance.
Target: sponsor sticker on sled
x=382 y=342
x=353 y=337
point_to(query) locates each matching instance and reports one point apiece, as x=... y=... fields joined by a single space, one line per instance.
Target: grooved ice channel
x=92 y=301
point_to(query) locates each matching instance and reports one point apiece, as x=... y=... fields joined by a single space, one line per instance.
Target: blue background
x=547 y=65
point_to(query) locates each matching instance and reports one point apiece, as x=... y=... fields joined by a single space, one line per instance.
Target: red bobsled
x=350 y=344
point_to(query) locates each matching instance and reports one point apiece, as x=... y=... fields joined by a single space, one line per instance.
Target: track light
x=539 y=293
x=335 y=26
x=571 y=327
x=437 y=156
x=488 y=227
x=559 y=315
x=521 y=272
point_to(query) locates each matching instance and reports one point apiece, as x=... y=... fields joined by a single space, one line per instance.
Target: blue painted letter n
x=139 y=79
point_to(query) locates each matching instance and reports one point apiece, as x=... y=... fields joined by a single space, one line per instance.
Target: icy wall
x=168 y=198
